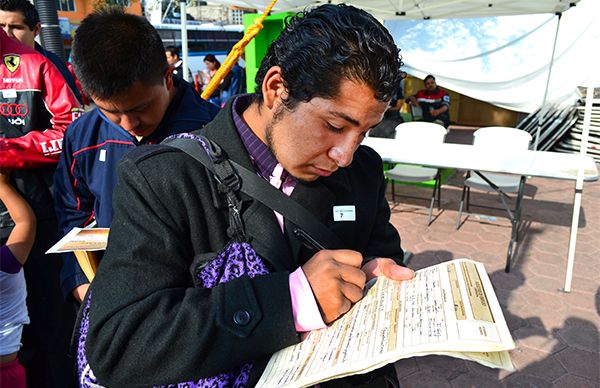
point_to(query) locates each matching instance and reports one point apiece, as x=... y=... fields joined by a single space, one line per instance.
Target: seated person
x=391 y=118
x=434 y=101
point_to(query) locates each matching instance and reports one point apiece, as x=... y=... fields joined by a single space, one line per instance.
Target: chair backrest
x=502 y=138
x=416 y=112
x=420 y=132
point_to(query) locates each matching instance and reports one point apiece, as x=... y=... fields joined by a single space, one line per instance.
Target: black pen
x=308 y=240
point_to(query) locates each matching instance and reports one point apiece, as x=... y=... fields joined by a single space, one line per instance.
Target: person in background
x=20 y=20
x=38 y=105
x=13 y=309
x=137 y=102
x=174 y=60
x=301 y=133
x=237 y=82
x=392 y=117
x=212 y=65
x=434 y=102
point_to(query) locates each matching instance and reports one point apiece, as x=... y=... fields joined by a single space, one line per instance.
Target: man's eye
x=333 y=128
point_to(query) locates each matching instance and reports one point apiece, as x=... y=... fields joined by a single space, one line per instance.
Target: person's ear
x=273 y=87
x=37 y=29
x=169 y=77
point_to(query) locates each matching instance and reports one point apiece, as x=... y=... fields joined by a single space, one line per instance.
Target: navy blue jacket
x=87 y=170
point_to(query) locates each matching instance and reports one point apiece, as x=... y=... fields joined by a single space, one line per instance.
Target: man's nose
x=129 y=122
x=343 y=152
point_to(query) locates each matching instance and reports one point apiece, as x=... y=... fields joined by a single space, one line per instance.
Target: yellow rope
x=236 y=52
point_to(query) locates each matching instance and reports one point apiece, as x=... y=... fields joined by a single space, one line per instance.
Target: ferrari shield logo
x=12 y=62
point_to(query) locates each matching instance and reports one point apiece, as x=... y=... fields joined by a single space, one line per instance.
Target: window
x=65 y=5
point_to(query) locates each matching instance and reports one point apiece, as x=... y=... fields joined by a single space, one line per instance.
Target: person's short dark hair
x=30 y=14
x=429 y=76
x=320 y=47
x=172 y=50
x=112 y=50
x=212 y=59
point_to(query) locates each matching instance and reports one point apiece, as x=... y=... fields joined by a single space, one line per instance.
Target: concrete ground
x=557 y=335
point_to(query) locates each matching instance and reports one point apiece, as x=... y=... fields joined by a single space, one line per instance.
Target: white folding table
x=525 y=163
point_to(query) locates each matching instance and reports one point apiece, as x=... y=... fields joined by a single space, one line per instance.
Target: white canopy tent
x=423 y=9
x=525 y=87
x=460 y=9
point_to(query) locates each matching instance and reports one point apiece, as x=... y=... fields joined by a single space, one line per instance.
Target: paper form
x=448 y=309
x=82 y=239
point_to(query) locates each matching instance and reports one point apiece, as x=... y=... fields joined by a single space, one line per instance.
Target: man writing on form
x=322 y=85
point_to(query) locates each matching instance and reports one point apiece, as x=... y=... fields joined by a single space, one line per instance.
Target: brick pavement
x=556 y=334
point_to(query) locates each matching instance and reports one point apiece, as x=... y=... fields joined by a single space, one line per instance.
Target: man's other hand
x=79 y=292
x=387 y=267
x=336 y=280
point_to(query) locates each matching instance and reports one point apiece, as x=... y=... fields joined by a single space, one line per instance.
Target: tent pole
x=184 y=41
x=543 y=110
x=587 y=116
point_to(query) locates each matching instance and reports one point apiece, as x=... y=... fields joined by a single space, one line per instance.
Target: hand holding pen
x=337 y=279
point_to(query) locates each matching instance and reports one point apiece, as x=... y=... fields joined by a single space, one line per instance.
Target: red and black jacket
x=36 y=106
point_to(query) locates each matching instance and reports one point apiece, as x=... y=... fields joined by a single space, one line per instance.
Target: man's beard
x=277 y=117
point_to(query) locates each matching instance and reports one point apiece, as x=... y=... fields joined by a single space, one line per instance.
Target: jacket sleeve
x=384 y=238
x=42 y=146
x=148 y=324
x=74 y=205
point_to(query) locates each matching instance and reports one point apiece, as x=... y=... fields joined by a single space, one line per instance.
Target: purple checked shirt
x=308 y=317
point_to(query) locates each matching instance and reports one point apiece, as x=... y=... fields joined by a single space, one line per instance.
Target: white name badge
x=102 y=156
x=344 y=213
x=9 y=93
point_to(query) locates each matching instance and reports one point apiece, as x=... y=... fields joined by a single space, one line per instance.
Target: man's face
x=430 y=84
x=320 y=136
x=140 y=108
x=13 y=23
x=171 y=58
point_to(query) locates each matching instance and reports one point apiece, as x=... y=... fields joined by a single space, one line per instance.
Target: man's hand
x=79 y=292
x=412 y=100
x=438 y=111
x=336 y=281
x=387 y=267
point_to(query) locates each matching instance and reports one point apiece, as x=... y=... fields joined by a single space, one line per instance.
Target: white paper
x=448 y=309
x=78 y=239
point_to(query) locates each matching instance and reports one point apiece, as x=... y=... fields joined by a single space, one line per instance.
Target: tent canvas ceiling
x=423 y=9
x=529 y=58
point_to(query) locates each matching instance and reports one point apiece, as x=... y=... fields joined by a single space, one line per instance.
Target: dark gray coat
x=148 y=325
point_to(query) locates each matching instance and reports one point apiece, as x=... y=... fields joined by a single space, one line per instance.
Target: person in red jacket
x=20 y=20
x=434 y=102
x=36 y=106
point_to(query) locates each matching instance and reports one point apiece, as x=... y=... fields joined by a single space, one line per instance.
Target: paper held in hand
x=447 y=309
x=78 y=239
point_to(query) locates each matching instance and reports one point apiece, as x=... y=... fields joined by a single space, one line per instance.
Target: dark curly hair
x=320 y=47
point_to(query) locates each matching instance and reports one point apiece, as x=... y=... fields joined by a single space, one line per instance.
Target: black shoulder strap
x=240 y=178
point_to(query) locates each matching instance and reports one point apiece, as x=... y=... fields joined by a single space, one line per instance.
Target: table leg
x=515 y=221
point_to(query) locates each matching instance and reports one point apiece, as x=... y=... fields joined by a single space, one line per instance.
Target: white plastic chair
x=419 y=134
x=496 y=139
